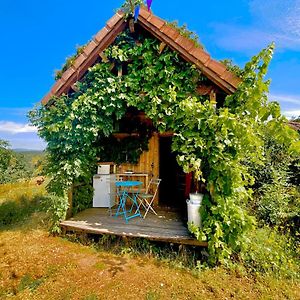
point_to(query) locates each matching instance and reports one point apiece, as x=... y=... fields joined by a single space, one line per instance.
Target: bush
x=57 y=208
x=276 y=193
x=272 y=253
x=12 y=212
x=279 y=205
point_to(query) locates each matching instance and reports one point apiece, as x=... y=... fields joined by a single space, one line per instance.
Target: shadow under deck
x=166 y=227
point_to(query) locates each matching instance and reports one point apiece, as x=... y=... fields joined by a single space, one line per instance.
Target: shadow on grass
x=14 y=212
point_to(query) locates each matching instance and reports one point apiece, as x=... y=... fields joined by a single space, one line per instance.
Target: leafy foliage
x=128 y=149
x=82 y=195
x=276 y=199
x=129 y=6
x=57 y=207
x=5 y=155
x=232 y=67
x=184 y=31
x=69 y=62
x=212 y=143
x=269 y=252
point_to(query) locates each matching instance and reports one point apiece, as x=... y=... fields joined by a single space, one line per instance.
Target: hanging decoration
x=137 y=12
x=149 y=3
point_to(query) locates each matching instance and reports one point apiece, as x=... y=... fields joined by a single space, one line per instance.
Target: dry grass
x=34 y=265
x=15 y=191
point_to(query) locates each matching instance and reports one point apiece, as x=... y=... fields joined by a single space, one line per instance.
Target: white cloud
x=273 y=20
x=291 y=113
x=234 y=37
x=14 y=128
x=289 y=103
x=32 y=143
x=285 y=99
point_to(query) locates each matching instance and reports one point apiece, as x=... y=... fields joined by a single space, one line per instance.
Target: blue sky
x=37 y=36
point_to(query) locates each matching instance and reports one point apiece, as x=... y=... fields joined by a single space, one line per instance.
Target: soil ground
x=34 y=265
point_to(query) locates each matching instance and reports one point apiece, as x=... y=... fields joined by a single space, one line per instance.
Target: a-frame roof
x=159 y=28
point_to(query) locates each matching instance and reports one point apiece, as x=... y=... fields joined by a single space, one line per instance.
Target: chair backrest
x=153 y=186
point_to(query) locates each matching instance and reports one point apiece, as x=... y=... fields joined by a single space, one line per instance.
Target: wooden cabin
x=158 y=161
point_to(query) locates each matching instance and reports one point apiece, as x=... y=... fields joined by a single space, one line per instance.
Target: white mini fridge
x=104 y=190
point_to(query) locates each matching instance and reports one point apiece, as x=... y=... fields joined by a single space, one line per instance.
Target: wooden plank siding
x=148 y=162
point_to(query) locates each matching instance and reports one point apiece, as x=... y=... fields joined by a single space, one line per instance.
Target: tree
x=5 y=157
x=12 y=165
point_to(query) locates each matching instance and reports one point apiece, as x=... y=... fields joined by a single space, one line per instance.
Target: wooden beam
x=166 y=134
x=74 y=87
x=120 y=71
x=112 y=65
x=103 y=57
x=107 y=40
x=162 y=46
x=204 y=90
x=70 y=201
x=213 y=97
x=131 y=25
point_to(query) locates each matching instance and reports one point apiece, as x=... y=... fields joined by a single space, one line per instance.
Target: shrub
x=57 y=207
x=279 y=205
x=272 y=253
x=276 y=193
x=12 y=212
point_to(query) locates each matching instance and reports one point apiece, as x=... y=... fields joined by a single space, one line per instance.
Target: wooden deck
x=166 y=227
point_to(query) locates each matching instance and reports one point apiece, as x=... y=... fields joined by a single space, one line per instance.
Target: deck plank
x=165 y=227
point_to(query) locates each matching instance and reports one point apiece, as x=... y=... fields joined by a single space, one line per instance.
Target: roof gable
x=159 y=28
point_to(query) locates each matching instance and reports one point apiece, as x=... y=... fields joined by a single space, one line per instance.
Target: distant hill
x=21 y=150
x=31 y=158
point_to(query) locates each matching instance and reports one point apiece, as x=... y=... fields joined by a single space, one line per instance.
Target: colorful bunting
x=136 y=12
x=149 y=2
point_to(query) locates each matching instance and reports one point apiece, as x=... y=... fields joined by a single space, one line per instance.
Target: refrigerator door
x=104 y=190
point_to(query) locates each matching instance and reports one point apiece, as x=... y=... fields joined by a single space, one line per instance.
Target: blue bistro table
x=125 y=191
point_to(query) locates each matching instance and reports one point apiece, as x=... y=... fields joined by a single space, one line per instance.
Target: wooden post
x=155 y=162
x=213 y=98
x=162 y=47
x=131 y=25
x=70 y=201
x=103 y=57
x=120 y=71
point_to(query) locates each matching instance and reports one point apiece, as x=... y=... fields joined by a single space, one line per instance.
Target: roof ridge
x=214 y=70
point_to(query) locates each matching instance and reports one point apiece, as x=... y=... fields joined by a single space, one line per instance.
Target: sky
x=37 y=36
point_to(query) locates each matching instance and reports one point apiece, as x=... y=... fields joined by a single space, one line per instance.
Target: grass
x=16 y=191
x=18 y=201
x=36 y=265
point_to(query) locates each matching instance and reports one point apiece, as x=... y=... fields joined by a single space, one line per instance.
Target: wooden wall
x=148 y=163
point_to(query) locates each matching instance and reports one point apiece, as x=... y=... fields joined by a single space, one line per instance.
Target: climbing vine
x=212 y=143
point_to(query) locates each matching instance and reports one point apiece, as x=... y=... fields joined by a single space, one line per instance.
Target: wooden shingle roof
x=159 y=28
